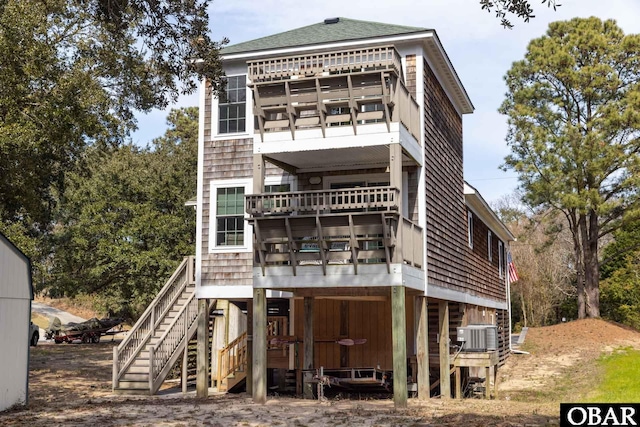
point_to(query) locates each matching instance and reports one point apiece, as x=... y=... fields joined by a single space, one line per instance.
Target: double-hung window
x=232 y=114
x=228 y=228
x=501 y=259
x=470 y=229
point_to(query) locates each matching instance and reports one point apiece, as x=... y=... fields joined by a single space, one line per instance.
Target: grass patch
x=619 y=378
x=566 y=385
x=530 y=347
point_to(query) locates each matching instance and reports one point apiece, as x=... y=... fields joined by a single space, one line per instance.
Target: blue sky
x=479 y=48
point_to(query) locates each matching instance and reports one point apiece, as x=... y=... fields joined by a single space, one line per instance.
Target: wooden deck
x=342 y=88
x=352 y=226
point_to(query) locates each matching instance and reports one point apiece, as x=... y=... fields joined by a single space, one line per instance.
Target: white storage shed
x=16 y=293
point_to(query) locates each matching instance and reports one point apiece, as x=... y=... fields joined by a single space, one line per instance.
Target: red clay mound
x=580 y=334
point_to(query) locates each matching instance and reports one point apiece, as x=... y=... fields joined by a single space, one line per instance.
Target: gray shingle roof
x=344 y=29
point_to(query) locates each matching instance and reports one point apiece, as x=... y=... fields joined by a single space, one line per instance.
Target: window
x=489 y=252
x=368 y=108
x=277 y=188
x=501 y=259
x=232 y=108
x=230 y=216
x=470 y=229
x=339 y=116
x=228 y=231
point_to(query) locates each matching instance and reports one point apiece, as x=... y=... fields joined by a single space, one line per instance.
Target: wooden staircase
x=159 y=338
x=232 y=364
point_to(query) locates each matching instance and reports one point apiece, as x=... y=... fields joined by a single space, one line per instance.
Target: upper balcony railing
x=340 y=100
x=385 y=57
x=305 y=202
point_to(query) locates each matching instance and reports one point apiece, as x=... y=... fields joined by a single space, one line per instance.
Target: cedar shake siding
x=484 y=274
x=445 y=207
x=413 y=212
x=225 y=159
x=410 y=79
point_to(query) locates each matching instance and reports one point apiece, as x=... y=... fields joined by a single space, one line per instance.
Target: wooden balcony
x=273 y=69
x=356 y=227
x=338 y=89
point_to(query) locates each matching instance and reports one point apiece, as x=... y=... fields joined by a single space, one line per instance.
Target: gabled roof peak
x=330 y=30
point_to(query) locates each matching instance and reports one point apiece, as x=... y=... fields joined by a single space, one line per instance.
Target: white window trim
x=501 y=258
x=489 y=242
x=248 y=113
x=247 y=183
x=470 y=228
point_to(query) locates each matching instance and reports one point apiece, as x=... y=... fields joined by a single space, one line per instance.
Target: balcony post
x=395 y=180
x=258 y=173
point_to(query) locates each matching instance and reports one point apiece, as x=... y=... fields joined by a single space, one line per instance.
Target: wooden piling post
x=202 y=359
x=399 y=338
x=445 y=364
x=249 y=378
x=307 y=363
x=259 y=346
x=422 y=353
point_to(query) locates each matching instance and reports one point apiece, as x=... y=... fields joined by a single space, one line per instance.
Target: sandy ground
x=70 y=385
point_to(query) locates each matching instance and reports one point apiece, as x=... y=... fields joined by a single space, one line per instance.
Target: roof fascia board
x=9 y=244
x=479 y=206
x=446 y=86
x=436 y=40
x=328 y=46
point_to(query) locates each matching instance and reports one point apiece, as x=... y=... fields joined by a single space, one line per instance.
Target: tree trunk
x=524 y=310
x=591 y=267
x=575 y=227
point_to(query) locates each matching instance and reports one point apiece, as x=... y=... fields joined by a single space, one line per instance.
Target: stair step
x=138 y=369
x=131 y=391
x=133 y=385
x=141 y=364
x=136 y=377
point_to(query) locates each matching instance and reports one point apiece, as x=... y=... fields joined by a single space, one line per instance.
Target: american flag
x=511 y=268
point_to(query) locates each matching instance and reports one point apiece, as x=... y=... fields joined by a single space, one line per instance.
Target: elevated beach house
x=336 y=238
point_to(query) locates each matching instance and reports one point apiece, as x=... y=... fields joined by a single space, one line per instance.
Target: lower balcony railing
x=309 y=202
x=354 y=238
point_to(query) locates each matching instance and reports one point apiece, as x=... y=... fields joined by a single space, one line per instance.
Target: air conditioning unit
x=478 y=337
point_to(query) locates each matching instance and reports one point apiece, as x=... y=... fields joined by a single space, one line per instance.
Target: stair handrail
x=179 y=329
x=233 y=357
x=135 y=341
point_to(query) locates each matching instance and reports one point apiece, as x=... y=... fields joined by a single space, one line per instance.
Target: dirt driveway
x=70 y=385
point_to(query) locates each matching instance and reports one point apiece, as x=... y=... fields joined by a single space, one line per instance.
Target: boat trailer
x=89 y=331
